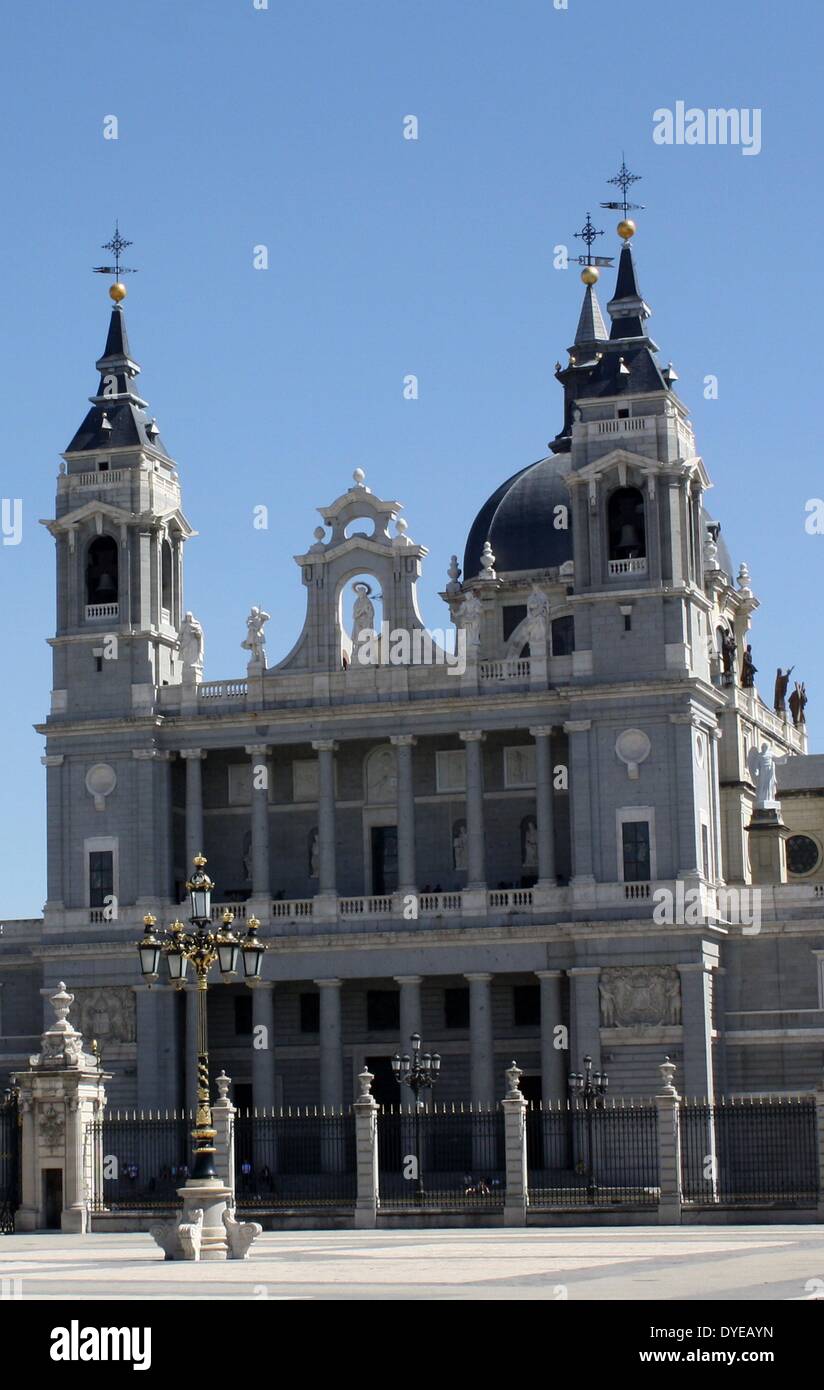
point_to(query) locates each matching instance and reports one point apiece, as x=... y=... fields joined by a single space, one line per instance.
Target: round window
x=803 y=854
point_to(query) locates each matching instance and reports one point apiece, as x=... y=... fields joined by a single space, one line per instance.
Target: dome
x=518 y=521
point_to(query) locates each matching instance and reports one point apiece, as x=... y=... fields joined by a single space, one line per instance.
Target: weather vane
x=587 y=234
x=117 y=246
x=624 y=180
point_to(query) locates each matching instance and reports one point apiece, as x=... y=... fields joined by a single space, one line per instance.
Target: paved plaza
x=748 y=1262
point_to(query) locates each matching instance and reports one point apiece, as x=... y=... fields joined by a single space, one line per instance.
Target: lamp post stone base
x=206 y=1229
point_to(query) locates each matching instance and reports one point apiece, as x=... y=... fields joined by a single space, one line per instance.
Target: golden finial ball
x=626 y=228
x=117 y=292
x=589 y=275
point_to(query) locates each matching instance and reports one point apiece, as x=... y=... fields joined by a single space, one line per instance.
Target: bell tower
x=119 y=533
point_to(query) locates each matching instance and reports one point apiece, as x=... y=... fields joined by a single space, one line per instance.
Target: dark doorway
x=531 y=1087
x=243 y=1096
x=52 y=1197
x=384 y=858
x=385 y=1088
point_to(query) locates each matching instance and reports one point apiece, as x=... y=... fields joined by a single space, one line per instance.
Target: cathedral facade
x=550 y=830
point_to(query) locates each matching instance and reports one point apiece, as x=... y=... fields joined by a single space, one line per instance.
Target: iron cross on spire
x=588 y=234
x=117 y=245
x=624 y=180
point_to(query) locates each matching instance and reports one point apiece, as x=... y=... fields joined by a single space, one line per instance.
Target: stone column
x=145 y=827
x=410 y=1007
x=53 y=763
x=555 y=1066
x=259 y=753
x=327 y=882
x=481 y=1050
x=516 y=1197
x=194 y=803
x=190 y=1072
x=366 y=1154
x=407 y=871
x=696 y=1020
x=580 y=800
x=714 y=740
x=263 y=1044
x=683 y=772
x=585 y=1011
x=331 y=1044
x=165 y=832
x=476 y=858
x=544 y=809
x=667 y=1103
x=149 y=1062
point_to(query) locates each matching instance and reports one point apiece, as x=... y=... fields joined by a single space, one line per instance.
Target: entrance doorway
x=52 y=1198
x=384 y=859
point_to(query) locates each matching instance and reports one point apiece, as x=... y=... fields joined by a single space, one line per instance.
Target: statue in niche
x=363 y=613
x=748 y=670
x=255 y=641
x=782 y=680
x=537 y=618
x=728 y=650
x=314 y=853
x=761 y=763
x=460 y=847
x=798 y=703
x=191 y=645
x=470 y=619
x=247 y=855
x=529 y=843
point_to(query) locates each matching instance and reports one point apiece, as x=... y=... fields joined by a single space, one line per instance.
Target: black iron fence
x=592 y=1156
x=750 y=1152
x=9 y=1162
x=446 y=1156
x=295 y=1158
x=138 y=1160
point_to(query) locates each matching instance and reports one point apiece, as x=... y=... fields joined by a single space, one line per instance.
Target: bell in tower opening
x=627 y=531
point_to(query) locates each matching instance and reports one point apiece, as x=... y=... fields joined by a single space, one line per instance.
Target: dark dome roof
x=518 y=520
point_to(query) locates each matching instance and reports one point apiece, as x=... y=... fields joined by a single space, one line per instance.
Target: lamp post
x=589 y=1088
x=419 y=1072
x=201 y=947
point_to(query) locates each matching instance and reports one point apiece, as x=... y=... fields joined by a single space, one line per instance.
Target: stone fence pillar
x=667 y=1104
x=366 y=1154
x=516 y=1198
x=223 y=1121
x=819 y=1128
x=59 y=1098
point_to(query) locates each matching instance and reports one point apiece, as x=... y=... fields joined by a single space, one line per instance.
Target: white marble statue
x=363 y=613
x=537 y=616
x=255 y=641
x=761 y=763
x=460 y=845
x=530 y=855
x=470 y=618
x=191 y=644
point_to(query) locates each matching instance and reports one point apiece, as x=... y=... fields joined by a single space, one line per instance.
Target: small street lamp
x=419 y=1072
x=589 y=1088
x=201 y=947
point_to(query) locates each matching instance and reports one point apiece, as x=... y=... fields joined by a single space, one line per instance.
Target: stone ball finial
x=401 y=525
x=223 y=1082
x=513 y=1078
x=365 y=1079
x=487 y=562
x=667 y=1070
x=319 y=533
x=359 y=476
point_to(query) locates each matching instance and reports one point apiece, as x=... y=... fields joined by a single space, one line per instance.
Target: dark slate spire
x=591 y=327
x=627 y=308
x=118 y=418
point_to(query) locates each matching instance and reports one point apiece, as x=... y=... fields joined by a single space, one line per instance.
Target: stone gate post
x=516 y=1198
x=366 y=1154
x=223 y=1120
x=667 y=1104
x=59 y=1098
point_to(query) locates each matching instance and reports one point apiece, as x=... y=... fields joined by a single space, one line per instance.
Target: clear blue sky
x=239 y=127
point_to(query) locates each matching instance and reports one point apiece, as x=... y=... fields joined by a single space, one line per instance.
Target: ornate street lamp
x=202 y=947
x=419 y=1072
x=589 y=1088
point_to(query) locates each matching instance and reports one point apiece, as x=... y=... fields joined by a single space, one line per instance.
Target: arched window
x=625 y=522
x=101 y=571
x=166 y=576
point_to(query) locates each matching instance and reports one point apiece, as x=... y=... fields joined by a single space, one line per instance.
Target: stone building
x=510 y=836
